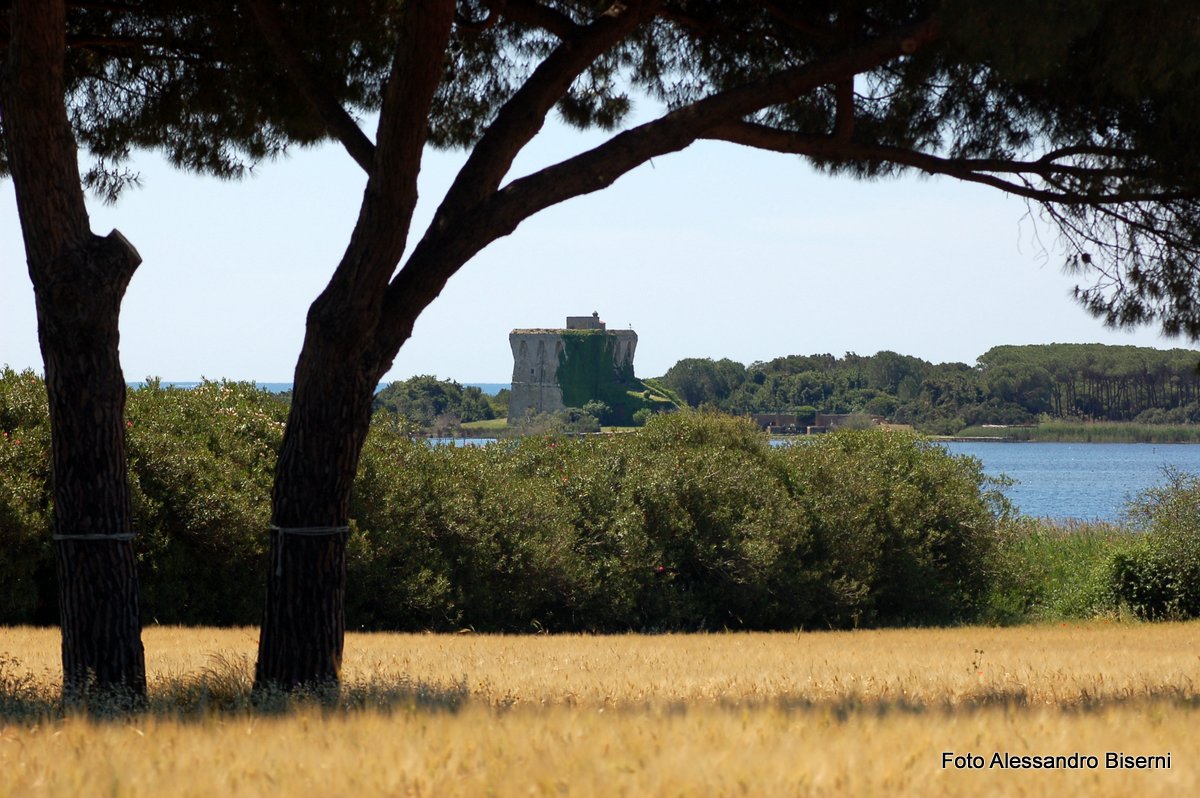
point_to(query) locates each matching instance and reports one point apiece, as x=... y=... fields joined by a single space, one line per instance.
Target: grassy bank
x=1053 y=572
x=819 y=714
x=1090 y=432
x=489 y=428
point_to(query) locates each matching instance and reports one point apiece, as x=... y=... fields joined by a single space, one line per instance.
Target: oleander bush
x=201 y=464
x=200 y=468
x=694 y=522
x=906 y=530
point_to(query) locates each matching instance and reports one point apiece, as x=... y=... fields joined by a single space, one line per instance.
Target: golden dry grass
x=857 y=713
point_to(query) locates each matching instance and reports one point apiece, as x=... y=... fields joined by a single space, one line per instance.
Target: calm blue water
x=459 y=442
x=1090 y=481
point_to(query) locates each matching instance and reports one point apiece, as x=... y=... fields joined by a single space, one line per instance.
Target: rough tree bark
x=79 y=280
x=304 y=619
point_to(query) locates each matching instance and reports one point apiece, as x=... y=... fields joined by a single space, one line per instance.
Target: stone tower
x=538 y=354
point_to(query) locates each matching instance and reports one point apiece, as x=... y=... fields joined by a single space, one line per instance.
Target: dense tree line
x=434 y=404
x=1007 y=385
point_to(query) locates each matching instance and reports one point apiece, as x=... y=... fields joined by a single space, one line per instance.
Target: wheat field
x=822 y=713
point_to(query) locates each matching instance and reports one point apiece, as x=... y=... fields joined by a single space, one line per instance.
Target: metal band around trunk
x=309 y=531
x=301 y=531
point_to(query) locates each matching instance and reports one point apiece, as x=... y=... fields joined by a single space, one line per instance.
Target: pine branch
x=338 y=120
x=416 y=71
x=344 y=315
x=448 y=245
x=520 y=119
x=530 y=12
x=381 y=232
x=465 y=23
x=42 y=154
x=601 y=166
x=676 y=13
x=843 y=122
x=973 y=170
x=797 y=24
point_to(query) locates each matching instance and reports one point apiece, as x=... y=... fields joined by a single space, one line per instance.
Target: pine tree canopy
x=1088 y=109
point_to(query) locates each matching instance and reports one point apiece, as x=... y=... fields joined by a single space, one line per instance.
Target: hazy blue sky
x=715 y=252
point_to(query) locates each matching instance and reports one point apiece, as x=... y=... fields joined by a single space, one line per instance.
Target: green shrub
x=451 y=537
x=729 y=545
x=395 y=579
x=598 y=410
x=428 y=402
x=695 y=522
x=201 y=464
x=201 y=467
x=569 y=420
x=1158 y=575
x=906 y=529
x=27 y=590
x=1144 y=583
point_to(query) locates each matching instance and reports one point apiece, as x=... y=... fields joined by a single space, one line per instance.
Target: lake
x=1089 y=481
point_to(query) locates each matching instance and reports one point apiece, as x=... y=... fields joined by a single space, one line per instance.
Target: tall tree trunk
x=304 y=625
x=343 y=359
x=97 y=577
x=79 y=280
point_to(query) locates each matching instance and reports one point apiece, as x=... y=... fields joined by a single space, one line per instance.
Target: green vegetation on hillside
x=1007 y=385
x=439 y=406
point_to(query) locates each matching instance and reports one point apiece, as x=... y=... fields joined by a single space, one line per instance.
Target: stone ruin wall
x=535 y=367
x=535 y=372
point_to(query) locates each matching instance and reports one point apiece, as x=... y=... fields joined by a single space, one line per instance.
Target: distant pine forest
x=1008 y=385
